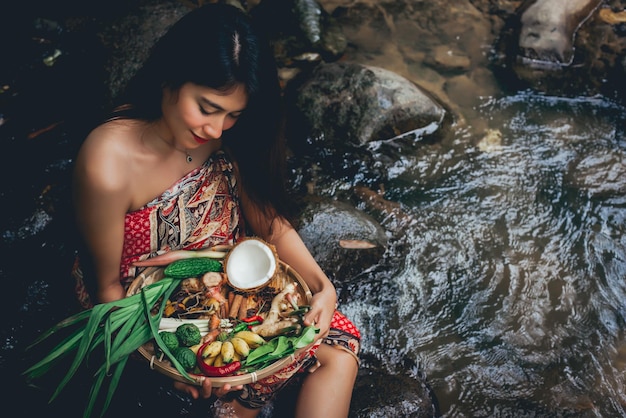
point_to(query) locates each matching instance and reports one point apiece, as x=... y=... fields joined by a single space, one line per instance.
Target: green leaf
x=279 y=347
x=91 y=328
x=93 y=393
x=115 y=378
x=306 y=337
x=155 y=334
x=67 y=322
x=61 y=350
x=119 y=327
x=107 y=342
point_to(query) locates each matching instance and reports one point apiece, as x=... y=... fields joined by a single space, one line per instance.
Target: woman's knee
x=337 y=359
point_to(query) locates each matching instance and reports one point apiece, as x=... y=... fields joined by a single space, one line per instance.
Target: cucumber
x=192 y=267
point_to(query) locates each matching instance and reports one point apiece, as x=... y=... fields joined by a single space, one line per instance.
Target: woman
x=192 y=160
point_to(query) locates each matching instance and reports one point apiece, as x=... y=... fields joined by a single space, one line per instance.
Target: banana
x=227 y=351
x=253 y=339
x=212 y=349
x=219 y=361
x=209 y=361
x=241 y=346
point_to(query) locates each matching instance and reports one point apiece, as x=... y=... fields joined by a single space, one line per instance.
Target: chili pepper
x=300 y=311
x=213 y=371
x=253 y=318
x=240 y=327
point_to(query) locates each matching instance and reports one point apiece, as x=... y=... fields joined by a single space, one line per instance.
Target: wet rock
x=300 y=28
x=353 y=103
x=548 y=29
x=449 y=59
x=326 y=222
x=342 y=109
x=566 y=49
x=129 y=37
x=379 y=394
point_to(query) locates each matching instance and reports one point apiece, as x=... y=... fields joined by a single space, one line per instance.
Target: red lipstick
x=199 y=140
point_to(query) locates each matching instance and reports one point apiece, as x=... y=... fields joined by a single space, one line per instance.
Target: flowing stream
x=509 y=289
x=503 y=282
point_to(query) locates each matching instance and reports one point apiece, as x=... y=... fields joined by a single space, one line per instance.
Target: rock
x=350 y=121
x=548 y=29
x=353 y=120
x=448 y=59
x=562 y=48
x=298 y=27
x=326 y=222
x=379 y=394
x=353 y=103
x=130 y=37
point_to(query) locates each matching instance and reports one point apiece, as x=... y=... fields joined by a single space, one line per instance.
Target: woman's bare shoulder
x=107 y=152
x=113 y=135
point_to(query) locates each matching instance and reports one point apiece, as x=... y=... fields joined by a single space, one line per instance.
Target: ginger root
x=274 y=322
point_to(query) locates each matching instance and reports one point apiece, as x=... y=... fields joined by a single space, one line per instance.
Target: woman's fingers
x=206 y=389
x=188 y=389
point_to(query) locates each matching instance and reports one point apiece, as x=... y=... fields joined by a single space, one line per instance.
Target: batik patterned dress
x=199 y=211
x=202 y=210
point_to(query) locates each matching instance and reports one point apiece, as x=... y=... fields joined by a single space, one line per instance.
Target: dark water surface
x=504 y=279
x=511 y=295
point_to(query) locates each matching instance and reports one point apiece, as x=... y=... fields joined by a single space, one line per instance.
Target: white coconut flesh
x=250 y=264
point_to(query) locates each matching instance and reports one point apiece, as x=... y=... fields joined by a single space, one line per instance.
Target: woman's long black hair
x=218 y=46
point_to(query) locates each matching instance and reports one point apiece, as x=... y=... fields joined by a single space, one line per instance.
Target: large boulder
x=548 y=29
x=344 y=240
x=357 y=104
x=563 y=48
x=342 y=112
x=129 y=38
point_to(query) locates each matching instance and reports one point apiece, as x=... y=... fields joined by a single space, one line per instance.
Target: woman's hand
x=291 y=249
x=323 y=306
x=206 y=390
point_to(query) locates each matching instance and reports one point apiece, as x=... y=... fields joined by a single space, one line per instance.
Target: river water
x=504 y=280
x=503 y=283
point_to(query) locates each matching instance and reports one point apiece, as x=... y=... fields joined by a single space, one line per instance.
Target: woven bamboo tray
x=162 y=365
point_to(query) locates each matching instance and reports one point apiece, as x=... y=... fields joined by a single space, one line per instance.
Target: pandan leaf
x=119 y=327
x=153 y=322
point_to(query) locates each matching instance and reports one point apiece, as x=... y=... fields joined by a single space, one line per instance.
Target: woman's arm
x=291 y=249
x=101 y=201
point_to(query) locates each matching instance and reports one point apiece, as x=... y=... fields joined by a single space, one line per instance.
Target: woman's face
x=196 y=115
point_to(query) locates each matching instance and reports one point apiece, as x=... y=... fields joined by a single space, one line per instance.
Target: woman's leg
x=328 y=390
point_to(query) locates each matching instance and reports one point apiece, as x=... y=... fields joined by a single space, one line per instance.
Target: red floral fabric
x=199 y=211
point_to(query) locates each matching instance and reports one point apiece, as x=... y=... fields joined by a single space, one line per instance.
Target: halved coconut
x=250 y=264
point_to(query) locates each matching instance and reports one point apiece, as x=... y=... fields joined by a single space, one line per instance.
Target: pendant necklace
x=188 y=156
